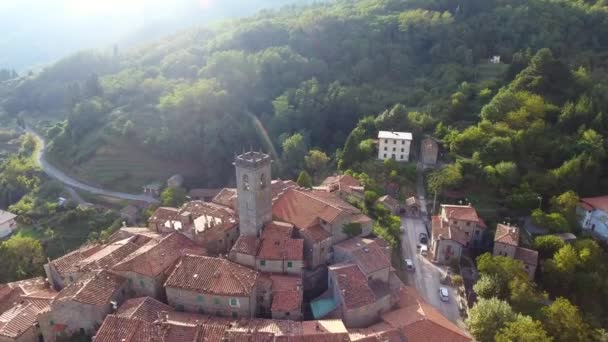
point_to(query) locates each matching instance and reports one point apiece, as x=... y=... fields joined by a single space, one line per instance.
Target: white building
x=7 y=223
x=395 y=145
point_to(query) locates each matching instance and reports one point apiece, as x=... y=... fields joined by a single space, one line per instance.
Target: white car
x=444 y=295
x=424 y=250
x=409 y=265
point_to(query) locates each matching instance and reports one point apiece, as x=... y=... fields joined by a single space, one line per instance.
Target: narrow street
x=427 y=275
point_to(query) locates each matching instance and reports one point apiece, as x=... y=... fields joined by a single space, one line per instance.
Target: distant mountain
x=37 y=32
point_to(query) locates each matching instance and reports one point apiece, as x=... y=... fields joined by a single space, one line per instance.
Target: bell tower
x=254 y=191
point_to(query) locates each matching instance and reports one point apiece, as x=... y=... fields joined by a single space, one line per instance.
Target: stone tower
x=254 y=191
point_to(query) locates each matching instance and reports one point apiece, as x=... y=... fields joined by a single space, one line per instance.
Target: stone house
x=447 y=241
x=287 y=297
x=83 y=305
x=165 y=220
x=390 y=203
x=506 y=243
x=212 y=285
x=8 y=223
x=276 y=251
x=19 y=324
x=152 y=189
x=57 y=271
x=593 y=215
x=317 y=245
x=12 y=293
x=346 y=187
x=147 y=269
x=361 y=300
x=143 y=308
x=367 y=254
x=429 y=149
x=394 y=145
x=465 y=219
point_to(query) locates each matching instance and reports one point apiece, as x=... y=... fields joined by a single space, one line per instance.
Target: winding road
x=60 y=176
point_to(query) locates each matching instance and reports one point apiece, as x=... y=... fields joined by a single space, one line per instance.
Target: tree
x=448 y=177
x=352 y=229
x=173 y=197
x=487 y=317
x=524 y=297
x=22 y=257
x=566 y=204
x=564 y=322
x=503 y=269
x=555 y=222
x=487 y=287
x=316 y=161
x=294 y=152
x=523 y=329
x=547 y=245
x=304 y=180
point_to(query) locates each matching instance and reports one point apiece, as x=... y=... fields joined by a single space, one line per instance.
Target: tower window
x=262 y=181
x=246 y=182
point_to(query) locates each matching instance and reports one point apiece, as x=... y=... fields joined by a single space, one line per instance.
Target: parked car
x=424 y=238
x=424 y=250
x=409 y=265
x=444 y=295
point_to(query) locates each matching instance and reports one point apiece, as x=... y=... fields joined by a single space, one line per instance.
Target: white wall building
x=7 y=223
x=395 y=145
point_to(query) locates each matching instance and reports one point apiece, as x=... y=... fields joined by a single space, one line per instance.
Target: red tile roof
x=507 y=234
x=116 y=328
x=304 y=208
x=315 y=233
x=144 y=308
x=20 y=318
x=246 y=244
x=353 y=286
x=287 y=293
x=203 y=192
x=110 y=255
x=226 y=197
x=600 y=202
x=126 y=232
x=346 y=183
x=93 y=288
x=446 y=231
x=164 y=214
x=527 y=256
x=155 y=257
x=65 y=263
x=461 y=212
x=277 y=243
x=29 y=286
x=420 y=322
x=366 y=253
x=380 y=332
x=212 y=275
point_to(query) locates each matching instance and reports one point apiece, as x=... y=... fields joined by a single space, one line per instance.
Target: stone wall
x=190 y=301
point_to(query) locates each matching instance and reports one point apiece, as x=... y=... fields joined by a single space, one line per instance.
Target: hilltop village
x=267 y=260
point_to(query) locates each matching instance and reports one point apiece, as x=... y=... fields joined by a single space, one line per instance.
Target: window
x=201 y=310
x=246 y=182
x=402 y=142
x=287 y=314
x=477 y=232
x=402 y=150
x=262 y=262
x=402 y=156
x=199 y=298
x=385 y=155
x=455 y=222
x=234 y=302
x=216 y=301
x=468 y=224
x=289 y=264
x=52 y=322
x=386 y=141
x=395 y=141
x=385 y=148
x=394 y=149
x=466 y=233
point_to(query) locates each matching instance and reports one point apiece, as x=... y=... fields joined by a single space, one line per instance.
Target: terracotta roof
x=163 y=214
x=126 y=232
x=315 y=233
x=93 y=288
x=226 y=197
x=304 y=208
x=156 y=257
x=527 y=256
x=20 y=318
x=6 y=216
x=600 y=202
x=110 y=255
x=380 y=332
x=246 y=244
x=203 y=192
x=212 y=275
x=116 y=328
x=366 y=253
x=209 y=216
x=29 y=286
x=446 y=231
x=346 y=183
x=326 y=330
x=277 y=243
x=287 y=293
x=144 y=308
x=420 y=322
x=67 y=262
x=353 y=285
x=278 y=187
x=460 y=212
x=507 y=234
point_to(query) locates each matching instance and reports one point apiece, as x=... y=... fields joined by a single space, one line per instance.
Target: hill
x=199 y=96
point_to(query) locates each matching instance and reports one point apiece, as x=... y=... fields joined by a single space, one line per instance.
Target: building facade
x=394 y=145
x=254 y=193
x=593 y=215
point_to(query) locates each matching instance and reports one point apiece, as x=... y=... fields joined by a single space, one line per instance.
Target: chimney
x=124 y=224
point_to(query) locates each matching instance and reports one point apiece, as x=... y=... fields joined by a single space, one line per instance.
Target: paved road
x=427 y=275
x=57 y=174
